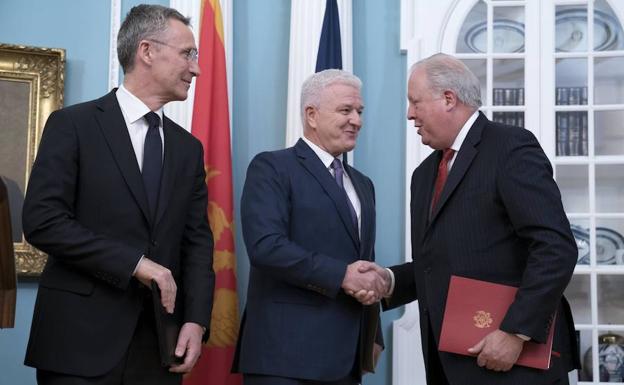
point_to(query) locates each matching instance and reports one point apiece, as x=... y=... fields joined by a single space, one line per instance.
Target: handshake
x=367 y=282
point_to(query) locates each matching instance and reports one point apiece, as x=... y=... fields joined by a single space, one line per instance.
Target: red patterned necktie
x=447 y=155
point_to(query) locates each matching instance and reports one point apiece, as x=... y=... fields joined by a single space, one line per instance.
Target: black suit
x=86 y=207
x=499 y=219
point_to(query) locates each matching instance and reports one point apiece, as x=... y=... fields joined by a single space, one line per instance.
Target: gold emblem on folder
x=482 y=319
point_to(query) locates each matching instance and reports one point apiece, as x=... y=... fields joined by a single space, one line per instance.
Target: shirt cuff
x=137 y=265
x=391 y=289
x=523 y=337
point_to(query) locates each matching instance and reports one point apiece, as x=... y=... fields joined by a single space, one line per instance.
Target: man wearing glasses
x=117 y=199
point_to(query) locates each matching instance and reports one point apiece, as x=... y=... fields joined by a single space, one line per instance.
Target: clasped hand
x=366 y=281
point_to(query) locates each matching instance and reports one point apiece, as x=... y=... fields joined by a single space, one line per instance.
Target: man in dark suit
x=117 y=198
x=484 y=205
x=308 y=220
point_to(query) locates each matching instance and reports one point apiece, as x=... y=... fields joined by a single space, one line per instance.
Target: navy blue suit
x=298 y=322
x=499 y=219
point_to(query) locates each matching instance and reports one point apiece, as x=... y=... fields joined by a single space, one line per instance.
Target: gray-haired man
x=308 y=221
x=117 y=199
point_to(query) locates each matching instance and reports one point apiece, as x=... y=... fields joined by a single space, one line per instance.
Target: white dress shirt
x=133 y=110
x=459 y=139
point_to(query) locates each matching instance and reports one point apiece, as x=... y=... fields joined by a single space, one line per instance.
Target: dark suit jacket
x=499 y=219
x=298 y=322
x=87 y=208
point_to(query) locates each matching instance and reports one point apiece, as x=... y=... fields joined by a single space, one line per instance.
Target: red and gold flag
x=211 y=125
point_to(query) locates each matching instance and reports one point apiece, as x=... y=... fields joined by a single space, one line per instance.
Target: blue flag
x=330 y=53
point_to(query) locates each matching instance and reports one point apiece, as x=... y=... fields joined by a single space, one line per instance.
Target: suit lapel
x=168 y=172
x=465 y=156
x=421 y=187
x=367 y=209
x=313 y=164
x=115 y=132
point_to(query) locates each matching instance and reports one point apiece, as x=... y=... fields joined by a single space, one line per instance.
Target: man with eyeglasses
x=117 y=199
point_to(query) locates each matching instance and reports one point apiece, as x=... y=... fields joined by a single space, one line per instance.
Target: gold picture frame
x=31 y=87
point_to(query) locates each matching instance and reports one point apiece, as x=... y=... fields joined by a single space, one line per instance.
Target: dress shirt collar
x=459 y=139
x=323 y=155
x=132 y=107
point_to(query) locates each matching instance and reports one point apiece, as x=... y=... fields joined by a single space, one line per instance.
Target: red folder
x=476 y=308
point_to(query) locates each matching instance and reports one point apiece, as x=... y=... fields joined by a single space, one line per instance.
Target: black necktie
x=152 y=160
x=338 y=171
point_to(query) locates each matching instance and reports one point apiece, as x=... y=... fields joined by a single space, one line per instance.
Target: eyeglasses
x=190 y=54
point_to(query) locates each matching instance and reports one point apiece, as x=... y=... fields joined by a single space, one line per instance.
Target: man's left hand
x=498 y=351
x=189 y=346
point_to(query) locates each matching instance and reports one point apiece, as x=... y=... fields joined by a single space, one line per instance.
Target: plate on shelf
x=609 y=246
x=571 y=30
x=509 y=36
x=581 y=235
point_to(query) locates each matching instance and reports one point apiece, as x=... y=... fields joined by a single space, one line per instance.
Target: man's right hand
x=148 y=270
x=364 y=296
x=365 y=280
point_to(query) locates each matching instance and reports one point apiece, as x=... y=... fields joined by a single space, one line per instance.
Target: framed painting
x=31 y=87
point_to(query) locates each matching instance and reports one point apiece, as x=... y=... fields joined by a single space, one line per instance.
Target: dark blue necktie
x=338 y=171
x=152 y=160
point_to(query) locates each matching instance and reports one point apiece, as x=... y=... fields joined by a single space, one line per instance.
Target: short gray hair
x=316 y=83
x=445 y=72
x=143 y=22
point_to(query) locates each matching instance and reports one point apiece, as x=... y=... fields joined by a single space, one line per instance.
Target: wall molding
x=306 y=21
x=407 y=358
x=113 y=63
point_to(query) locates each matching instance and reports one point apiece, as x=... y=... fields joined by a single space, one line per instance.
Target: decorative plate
x=571 y=30
x=581 y=235
x=509 y=36
x=608 y=245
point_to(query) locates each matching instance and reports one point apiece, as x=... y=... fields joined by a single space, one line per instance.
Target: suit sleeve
x=265 y=206
x=533 y=203
x=198 y=277
x=49 y=219
x=404 y=287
